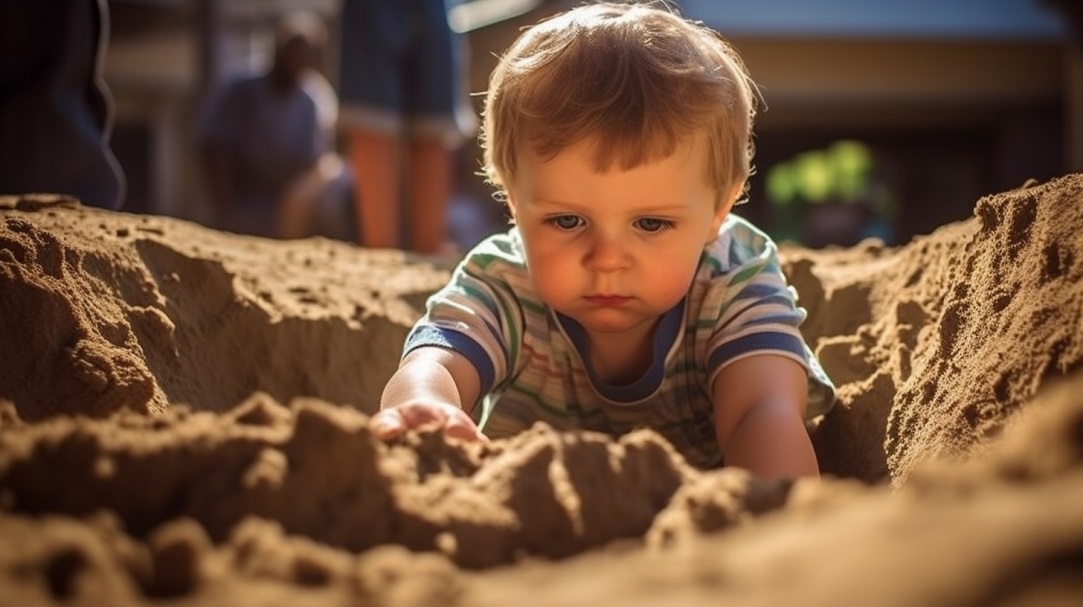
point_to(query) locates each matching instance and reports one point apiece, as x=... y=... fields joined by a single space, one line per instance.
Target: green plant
x=842 y=173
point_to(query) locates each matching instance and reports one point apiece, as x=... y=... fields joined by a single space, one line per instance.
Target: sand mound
x=185 y=419
x=935 y=344
x=109 y=312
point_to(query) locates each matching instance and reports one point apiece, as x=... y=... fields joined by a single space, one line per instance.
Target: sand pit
x=183 y=422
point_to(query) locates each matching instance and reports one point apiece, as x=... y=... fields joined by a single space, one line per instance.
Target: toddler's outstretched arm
x=430 y=388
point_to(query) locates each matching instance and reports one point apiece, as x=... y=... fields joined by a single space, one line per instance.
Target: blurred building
x=956 y=98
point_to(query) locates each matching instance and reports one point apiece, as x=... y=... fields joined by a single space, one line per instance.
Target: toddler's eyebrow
x=660 y=209
x=651 y=209
x=552 y=204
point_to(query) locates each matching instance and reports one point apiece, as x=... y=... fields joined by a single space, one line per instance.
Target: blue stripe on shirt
x=756 y=342
x=443 y=337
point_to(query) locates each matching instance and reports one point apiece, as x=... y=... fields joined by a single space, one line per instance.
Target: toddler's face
x=614 y=250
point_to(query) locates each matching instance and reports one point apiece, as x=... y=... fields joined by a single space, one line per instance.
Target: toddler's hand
x=391 y=422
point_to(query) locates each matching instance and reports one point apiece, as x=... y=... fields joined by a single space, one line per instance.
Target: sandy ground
x=183 y=422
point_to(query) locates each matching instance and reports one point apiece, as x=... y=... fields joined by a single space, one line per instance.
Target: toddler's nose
x=607 y=255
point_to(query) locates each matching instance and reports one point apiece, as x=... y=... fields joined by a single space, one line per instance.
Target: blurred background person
x=56 y=113
x=267 y=143
x=404 y=112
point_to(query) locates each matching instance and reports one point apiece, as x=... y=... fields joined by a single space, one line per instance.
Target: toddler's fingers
x=463 y=428
x=418 y=415
x=387 y=424
x=390 y=423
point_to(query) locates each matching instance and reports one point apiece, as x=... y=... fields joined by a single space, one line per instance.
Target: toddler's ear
x=723 y=210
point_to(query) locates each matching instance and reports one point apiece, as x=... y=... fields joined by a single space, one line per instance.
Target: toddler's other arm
x=429 y=388
x=759 y=405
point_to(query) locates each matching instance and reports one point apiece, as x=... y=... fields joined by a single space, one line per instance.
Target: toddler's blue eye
x=565 y=222
x=653 y=224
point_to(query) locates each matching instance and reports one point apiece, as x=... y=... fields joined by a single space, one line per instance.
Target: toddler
x=626 y=295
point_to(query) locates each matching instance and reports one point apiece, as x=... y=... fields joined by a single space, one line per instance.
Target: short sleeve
x=477 y=315
x=751 y=309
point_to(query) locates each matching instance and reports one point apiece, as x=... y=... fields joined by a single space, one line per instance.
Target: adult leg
x=438 y=123
x=370 y=87
x=376 y=165
x=430 y=185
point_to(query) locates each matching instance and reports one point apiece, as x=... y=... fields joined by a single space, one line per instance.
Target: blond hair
x=636 y=79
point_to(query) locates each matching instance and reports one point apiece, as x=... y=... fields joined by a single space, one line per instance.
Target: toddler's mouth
x=608 y=300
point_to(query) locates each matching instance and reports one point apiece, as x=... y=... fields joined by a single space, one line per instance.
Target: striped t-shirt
x=530 y=361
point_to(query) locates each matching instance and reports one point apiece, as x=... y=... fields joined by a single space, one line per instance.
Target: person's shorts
x=402 y=70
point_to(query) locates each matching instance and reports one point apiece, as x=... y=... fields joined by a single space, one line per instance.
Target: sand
x=182 y=422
